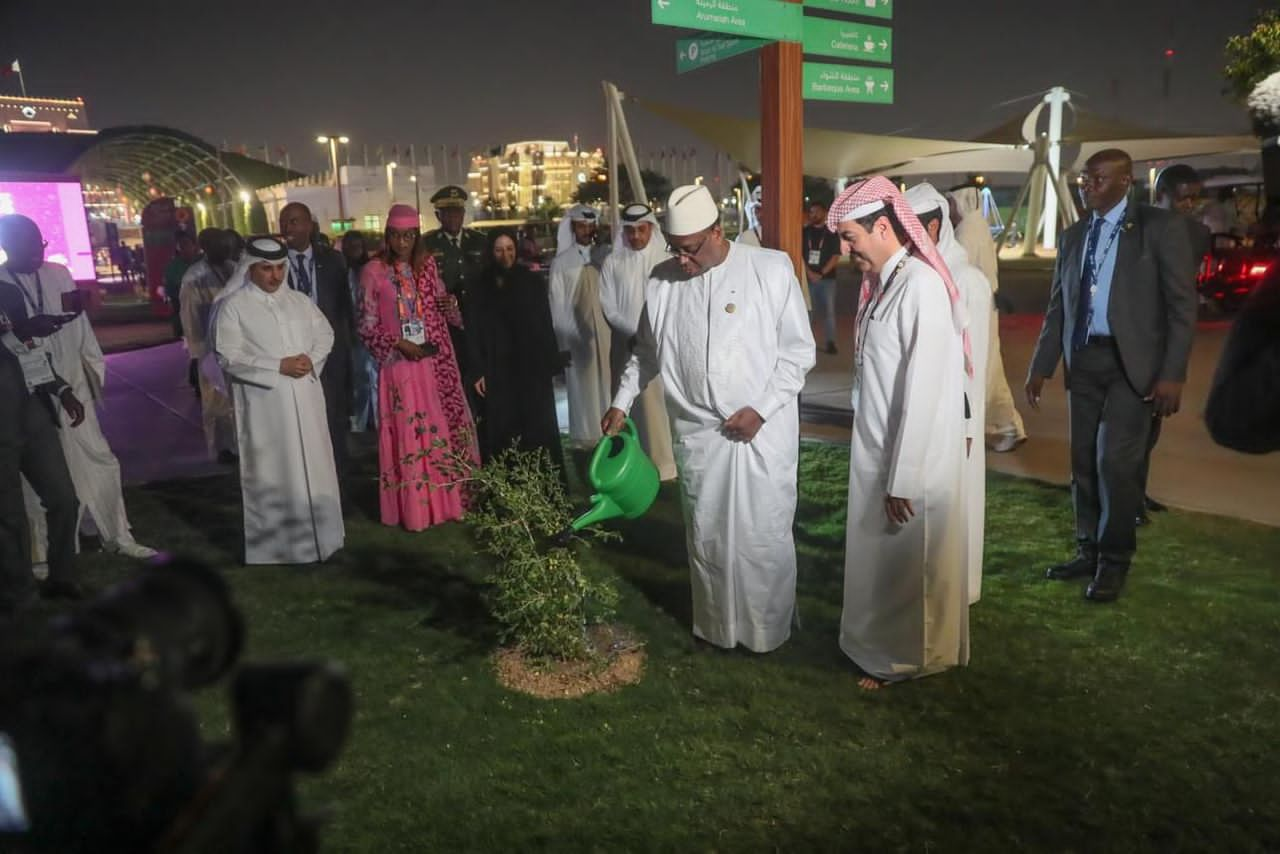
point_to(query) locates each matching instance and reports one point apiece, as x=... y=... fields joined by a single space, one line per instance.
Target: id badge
x=414 y=332
x=34 y=361
x=815 y=257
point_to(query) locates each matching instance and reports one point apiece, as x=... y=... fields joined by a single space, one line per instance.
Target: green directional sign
x=848 y=40
x=824 y=81
x=866 y=8
x=765 y=19
x=696 y=53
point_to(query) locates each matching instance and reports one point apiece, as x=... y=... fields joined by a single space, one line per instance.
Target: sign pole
x=782 y=151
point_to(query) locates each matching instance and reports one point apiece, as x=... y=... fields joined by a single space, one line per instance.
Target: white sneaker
x=40 y=571
x=133 y=550
x=1006 y=442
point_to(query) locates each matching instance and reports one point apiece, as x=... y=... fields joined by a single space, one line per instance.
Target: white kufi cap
x=691 y=209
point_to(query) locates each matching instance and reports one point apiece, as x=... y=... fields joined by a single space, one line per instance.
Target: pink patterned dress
x=423 y=420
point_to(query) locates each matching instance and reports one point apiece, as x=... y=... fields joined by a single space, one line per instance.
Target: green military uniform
x=460 y=262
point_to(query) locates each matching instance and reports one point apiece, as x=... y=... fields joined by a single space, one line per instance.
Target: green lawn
x=1148 y=725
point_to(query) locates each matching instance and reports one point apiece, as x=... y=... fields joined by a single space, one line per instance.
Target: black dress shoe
x=1107 y=584
x=61 y=590
x=1152 y=506
x=1142 y=520
x=1083 y=565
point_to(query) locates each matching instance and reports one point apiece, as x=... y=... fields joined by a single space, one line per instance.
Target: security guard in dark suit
x=460 y=258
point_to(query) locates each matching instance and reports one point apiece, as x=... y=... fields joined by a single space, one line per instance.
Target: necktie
x=1084 y=300
x=302 y=279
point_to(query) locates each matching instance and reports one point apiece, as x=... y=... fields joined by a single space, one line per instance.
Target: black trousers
x=1110 y=427
x=1145 y=472
x=29 y=446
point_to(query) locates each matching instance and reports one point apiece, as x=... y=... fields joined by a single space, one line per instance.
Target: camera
x=101 y=751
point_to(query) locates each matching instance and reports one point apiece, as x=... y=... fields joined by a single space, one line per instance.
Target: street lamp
x=391 y=186
x=332 y=140
x=417 y=192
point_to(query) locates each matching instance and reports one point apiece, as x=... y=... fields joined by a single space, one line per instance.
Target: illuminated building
x=43 y=115
x=521 y=176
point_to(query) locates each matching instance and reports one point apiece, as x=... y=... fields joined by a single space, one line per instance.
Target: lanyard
x=1106 y=249
x=808 y=242
x=37 y=304
x=868 y=313
x=407 y=305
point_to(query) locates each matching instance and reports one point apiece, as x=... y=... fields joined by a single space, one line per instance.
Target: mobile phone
x=73 y=302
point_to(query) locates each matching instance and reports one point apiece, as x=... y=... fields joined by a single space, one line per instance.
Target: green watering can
x=624 y=479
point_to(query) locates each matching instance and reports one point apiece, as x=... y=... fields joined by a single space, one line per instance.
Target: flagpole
x=22 y=82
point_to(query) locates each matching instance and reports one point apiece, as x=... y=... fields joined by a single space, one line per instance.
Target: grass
x=1147 y=725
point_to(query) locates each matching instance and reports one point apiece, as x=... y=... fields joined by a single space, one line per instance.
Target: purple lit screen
x=58 y=208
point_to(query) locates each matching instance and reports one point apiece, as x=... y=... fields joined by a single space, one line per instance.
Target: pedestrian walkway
x=1187 y=469
x=151 y=416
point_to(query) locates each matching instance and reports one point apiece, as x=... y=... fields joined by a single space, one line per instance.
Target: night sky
x=481 y=73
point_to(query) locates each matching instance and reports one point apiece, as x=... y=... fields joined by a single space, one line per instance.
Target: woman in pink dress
x=423 y=420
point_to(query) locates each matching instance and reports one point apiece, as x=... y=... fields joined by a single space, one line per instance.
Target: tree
x=1252 y=57
x=596 y=187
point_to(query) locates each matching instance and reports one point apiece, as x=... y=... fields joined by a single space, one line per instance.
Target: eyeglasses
x=396 y=234
x=687 y=253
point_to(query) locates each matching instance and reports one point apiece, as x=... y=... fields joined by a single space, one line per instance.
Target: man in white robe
x=906 y=604
x=201 y=285
x=931 y=207
x=725 y=327
x=750 y=235
x=580 y=325
x=1002 y=423
x=95 y=471
x=272 y=343
x=639 y=248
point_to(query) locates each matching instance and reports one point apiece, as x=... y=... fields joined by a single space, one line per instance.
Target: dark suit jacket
x=1152 y=311
x=333 y=296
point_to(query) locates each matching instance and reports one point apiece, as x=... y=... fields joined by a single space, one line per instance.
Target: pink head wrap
x=402 y=216
x=880 y=189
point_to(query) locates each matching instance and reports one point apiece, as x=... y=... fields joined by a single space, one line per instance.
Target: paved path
x=1188 y=470
x=151 y=417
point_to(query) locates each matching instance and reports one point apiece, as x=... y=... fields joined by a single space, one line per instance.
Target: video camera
x=100 y=751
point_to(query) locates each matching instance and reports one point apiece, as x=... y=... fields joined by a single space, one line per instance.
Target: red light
x=1168 y=54
x=1257 y=271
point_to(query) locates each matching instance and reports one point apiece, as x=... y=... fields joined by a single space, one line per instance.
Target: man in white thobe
x=725 y=327
x=272 y=342
x=750 y=235
x=580 y=325
x=201 y=285
x=931 y=207
x=906 y=605
x=638 y=249
x=1002 y=423
x=95 y=471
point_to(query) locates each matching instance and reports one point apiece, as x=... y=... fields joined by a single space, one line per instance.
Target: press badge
x=414 y=332
x=815 y=257
x=34 y=361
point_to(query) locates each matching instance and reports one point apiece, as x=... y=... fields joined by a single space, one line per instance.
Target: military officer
x=459 y=254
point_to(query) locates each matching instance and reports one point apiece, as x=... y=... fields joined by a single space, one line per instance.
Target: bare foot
x=867 y=683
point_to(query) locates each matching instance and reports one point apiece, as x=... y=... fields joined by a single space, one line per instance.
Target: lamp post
x=391 y=185
x=332 y=140
x=417 y=193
